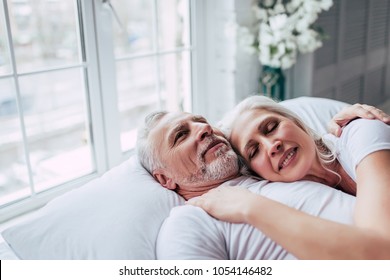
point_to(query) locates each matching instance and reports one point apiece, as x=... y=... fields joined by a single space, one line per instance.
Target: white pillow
x=118 y=215
x=315 y=111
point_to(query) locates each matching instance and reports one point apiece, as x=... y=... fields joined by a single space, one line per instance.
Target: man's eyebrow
x=197 y=118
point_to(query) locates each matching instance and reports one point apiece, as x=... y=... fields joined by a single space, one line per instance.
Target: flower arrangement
x=283 y=29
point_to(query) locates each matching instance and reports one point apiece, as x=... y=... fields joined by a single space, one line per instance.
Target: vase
x=272 y=82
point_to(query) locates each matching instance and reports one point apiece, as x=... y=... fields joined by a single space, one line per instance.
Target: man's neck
x=189 y=193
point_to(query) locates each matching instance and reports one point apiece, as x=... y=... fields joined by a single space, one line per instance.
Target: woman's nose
x=274 y=148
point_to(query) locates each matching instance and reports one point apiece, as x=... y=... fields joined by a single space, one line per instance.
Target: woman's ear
x=164 y=180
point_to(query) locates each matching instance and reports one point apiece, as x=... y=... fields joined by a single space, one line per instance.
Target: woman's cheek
x=258 y=167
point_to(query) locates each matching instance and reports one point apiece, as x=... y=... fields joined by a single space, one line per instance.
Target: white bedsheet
x=6 y=252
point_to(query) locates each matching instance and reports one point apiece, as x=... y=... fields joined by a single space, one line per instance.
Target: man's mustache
x=210 y=142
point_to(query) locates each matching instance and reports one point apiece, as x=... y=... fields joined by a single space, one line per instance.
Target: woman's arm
x=373 y=193
x=305 y=236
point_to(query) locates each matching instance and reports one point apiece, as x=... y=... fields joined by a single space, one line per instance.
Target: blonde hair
x=325 y=153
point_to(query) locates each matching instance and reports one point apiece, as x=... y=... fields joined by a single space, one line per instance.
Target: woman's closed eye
x=252 y=152
x=266 y=128
x=270 y=126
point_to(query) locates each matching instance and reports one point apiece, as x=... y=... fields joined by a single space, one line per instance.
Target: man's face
x=196 y=157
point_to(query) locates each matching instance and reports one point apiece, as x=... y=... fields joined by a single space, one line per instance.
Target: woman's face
x=274 y=146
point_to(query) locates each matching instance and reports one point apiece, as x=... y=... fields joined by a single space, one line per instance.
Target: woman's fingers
x=224 y=203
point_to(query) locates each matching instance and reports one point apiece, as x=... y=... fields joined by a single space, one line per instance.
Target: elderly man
x=185 y=154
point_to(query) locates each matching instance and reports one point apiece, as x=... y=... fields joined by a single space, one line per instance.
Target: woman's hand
x=231 y=204
x=352 y=112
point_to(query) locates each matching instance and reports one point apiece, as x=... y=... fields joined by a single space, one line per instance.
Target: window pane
x=11 y=148
x=136 y=34
x=45 y=33
x=173 y=24
x=137 y=96
x=57 y=127
x=5 y=66
x=175 y=81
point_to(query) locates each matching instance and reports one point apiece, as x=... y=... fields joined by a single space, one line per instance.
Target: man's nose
x=274 y=147
x=204 y=130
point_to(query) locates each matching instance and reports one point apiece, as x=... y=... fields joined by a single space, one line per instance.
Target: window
x=77 y=78
x=152 y=57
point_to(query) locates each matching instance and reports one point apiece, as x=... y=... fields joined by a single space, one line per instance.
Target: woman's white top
x=358 y=139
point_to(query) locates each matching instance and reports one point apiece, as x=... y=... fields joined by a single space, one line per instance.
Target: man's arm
x=352 y=112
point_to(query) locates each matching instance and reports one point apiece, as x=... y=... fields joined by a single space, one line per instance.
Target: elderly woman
x=276 y=145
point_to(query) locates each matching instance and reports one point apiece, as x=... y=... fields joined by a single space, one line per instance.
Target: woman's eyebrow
x=264 y=121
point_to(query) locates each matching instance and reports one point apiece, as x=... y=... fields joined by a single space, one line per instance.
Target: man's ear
x=164 y=180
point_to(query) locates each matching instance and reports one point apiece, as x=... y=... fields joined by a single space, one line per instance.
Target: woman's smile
x=287 y=158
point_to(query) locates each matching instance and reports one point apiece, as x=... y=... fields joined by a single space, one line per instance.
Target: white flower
x=260 y=14
x=304 y=22
x=308 y=41
x=246 y=40
x=326 y=4
x=311 y=7
x=279 y=8
x=291 y=45
x=266 y=37
x=264 y=53
x=283 y=30
x=264 y=59
x=287 y=61
x=297 y=3
x=278 y=22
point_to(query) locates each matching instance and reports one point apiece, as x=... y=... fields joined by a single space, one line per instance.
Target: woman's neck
x=347 y=184
x=329 y=177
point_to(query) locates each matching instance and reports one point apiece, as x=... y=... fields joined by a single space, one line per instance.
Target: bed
x=119 y=215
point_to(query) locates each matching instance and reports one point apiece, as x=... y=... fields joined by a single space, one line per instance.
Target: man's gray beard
x=223 y=167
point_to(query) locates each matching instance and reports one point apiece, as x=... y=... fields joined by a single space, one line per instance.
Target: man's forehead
x=173 y=119
x=169 y=121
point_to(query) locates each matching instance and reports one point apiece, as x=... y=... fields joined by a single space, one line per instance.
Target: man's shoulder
x=185 y=211
x=190 y=233
x=252 y=183
x=187 y=218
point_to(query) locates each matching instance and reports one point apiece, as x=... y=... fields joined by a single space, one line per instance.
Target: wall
x=352 y=66
x=228 y=73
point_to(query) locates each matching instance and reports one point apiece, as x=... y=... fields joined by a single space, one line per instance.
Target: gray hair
x=148 y=154
x=325 y=153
